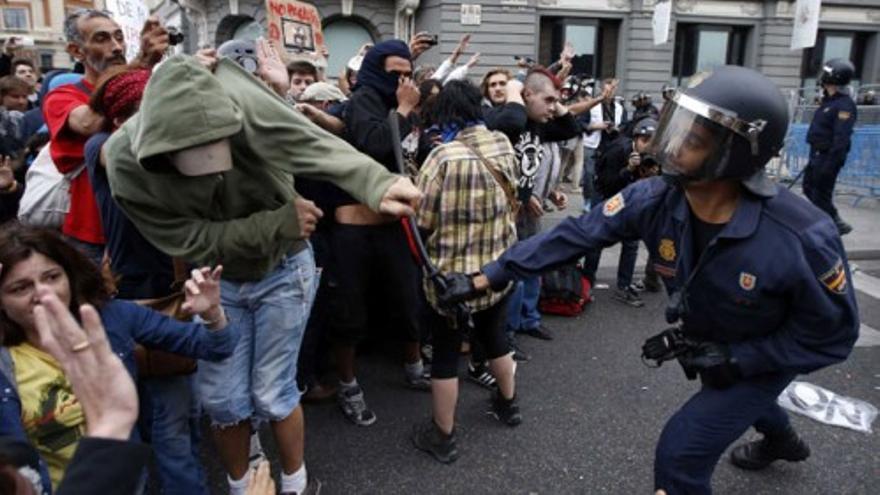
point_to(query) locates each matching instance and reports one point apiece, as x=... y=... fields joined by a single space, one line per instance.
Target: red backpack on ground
x=565 y=291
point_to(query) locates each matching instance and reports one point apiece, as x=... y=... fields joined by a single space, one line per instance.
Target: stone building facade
x=612 y=37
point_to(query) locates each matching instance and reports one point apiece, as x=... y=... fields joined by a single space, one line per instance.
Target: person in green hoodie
x=205 y=170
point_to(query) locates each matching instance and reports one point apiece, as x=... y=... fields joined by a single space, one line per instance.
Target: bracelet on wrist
x=211 y=323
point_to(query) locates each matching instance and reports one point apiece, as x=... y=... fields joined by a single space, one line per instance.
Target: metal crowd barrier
x=861 y=174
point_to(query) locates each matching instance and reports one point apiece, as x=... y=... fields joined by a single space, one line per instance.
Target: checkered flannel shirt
x=464 y=208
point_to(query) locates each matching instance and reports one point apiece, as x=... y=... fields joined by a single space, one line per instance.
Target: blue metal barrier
x=862 y=169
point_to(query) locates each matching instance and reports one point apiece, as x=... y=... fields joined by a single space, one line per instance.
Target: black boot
x=787 y=446
x=505 y=410
x=843 y=228
x=429 y=438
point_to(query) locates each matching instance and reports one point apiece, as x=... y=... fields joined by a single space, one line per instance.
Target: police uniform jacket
x=831 y=129
x=774 y=284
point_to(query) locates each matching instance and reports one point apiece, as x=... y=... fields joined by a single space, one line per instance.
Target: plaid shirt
x=464 y=208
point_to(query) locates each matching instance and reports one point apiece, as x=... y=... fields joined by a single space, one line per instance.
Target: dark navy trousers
x=695 y=437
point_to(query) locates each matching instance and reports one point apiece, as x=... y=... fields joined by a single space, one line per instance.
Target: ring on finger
x=81 y=346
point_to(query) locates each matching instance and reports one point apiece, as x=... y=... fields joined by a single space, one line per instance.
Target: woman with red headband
x=169 y=418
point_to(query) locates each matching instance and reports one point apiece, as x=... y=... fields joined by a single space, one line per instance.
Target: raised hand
x=97 y=376
x=208 y=58
x=473 y=60
x=419 y=44
x=202 y=294
x=272 y=69
x=154 y=42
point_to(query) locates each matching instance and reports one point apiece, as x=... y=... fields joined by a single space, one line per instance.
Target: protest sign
x=295 y=26
x=131 y=16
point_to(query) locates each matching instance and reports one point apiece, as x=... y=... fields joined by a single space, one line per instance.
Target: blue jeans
x=522 y=309
x=695 y=437
x=259 y=378
x=170 y=422
x=626 y=264
x=588 y=188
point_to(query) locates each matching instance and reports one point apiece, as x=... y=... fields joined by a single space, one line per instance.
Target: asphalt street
x=592 y=415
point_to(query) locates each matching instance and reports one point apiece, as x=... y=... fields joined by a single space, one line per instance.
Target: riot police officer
x=758 y=283
x=829 y=138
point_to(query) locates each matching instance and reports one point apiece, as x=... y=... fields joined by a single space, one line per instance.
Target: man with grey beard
x=96 y=41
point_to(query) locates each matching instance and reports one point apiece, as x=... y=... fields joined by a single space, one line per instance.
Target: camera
x=665 y=346
x=433 y=39
x=175 y=37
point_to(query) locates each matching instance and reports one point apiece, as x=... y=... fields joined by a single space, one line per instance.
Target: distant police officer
x=758 y=280
x=829 y=138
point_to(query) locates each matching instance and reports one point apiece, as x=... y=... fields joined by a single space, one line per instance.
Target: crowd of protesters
x=174 y=166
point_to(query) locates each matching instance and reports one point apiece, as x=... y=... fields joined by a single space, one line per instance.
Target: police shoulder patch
x=835 y=278
x=843 y=115
x=613 y=205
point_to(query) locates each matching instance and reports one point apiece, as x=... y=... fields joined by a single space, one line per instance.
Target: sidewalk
x=863 y=243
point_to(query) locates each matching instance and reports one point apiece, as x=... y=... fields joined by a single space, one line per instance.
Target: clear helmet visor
x=694 y=139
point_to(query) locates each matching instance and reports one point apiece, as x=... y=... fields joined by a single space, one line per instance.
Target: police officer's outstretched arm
x=823 y=320
x=623 y=216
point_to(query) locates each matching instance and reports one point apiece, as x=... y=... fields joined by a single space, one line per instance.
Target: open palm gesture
x=202 y=292
x=272 y=69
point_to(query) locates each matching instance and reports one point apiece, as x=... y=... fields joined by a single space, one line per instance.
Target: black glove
x=713 y=363
x=459 y=288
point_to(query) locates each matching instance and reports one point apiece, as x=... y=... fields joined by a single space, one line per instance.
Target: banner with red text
x=295 y=26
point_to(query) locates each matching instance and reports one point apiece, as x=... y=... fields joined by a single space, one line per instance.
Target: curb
x=863 y=254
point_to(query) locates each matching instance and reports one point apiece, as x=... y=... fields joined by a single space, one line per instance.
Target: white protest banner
x=806 y=23
x=131 y=16
x=660 y=21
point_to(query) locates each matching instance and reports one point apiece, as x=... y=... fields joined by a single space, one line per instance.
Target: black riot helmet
x=726 y=125
x=837 y=71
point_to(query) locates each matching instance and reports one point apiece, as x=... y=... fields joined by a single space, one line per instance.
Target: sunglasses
x=399 y=73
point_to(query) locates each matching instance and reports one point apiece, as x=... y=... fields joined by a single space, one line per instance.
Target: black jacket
x=611 y=172
x=527 y=138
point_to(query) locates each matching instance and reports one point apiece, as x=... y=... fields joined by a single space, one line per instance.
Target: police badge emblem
x=613 y=205
x=747 y=281
x=667 y=250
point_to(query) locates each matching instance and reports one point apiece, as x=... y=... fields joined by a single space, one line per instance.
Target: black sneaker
x=761 y=453
x=419 y=382
x=629 y=297
x=354 y=407
x=843 y=228
x=652 y=283
x=539 y=332
x=480 y=375
x=313 y=487
x=505 y=410
x=518 y=354
x=427 y=437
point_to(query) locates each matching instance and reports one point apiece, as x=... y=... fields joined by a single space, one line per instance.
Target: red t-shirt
x=83 y=221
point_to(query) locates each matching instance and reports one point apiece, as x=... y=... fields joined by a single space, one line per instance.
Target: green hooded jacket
x=244 y=218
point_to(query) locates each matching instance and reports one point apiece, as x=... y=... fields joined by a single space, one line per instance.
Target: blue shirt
x=774 y=284
x=144 y=271
x=126 y=324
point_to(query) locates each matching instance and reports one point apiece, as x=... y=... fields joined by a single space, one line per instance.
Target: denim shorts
x=259 y=379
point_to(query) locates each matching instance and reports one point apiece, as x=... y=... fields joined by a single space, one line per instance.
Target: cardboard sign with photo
x=294 y=25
